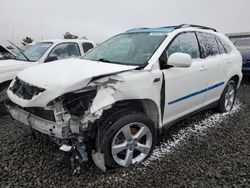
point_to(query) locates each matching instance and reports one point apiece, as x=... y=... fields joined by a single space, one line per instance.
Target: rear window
x=220 y=46
x=87 y=46
x=208 y=43
x=225 y=45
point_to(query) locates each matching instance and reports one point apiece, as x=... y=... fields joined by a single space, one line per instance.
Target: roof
x=160 y=29
x=65 y=40
x=168 y=29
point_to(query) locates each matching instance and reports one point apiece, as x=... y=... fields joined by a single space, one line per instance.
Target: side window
x=185 y=43
x=65 y=50
x=226 y=46
x=221 y=48
x=209 y=46
x=87 y=46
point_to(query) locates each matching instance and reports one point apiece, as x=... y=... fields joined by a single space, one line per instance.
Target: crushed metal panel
x=104 y=98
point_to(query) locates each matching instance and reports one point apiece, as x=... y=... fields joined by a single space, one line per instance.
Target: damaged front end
x=68 y=119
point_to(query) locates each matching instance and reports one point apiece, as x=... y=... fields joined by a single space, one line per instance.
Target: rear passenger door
x=184 y=87
x=215 y=60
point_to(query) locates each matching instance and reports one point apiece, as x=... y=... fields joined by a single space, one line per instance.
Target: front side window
x=64 y=51
x=127 y=48
x=35 y=52
x=209 y=46
x=185 y=43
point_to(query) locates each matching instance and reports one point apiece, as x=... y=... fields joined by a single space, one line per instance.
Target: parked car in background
x=40 y=52
x=6 y=54
x=242 y=43
x=115 y=100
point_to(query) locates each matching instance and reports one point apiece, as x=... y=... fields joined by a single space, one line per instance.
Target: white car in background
x=40 y=52
x=116 y=100
x=6 y=54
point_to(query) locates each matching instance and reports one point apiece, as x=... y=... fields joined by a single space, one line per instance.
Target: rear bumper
x=50 y=128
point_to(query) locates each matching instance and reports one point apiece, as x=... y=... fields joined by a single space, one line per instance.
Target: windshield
x=34 y=52
x=23 y=48
x=243 y=43
x=127 y=48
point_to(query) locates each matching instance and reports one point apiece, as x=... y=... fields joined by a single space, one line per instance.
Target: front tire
x=228 y=97
x=3 y=97
x=128 y=140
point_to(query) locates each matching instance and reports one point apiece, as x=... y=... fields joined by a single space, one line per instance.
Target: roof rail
x=177 y=27
x=137 y=28
x=198 y=26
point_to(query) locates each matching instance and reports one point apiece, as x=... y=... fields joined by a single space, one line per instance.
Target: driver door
x=185 y=88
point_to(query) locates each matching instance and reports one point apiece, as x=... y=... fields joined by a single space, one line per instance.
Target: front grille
x=42 y=113
x=25 y=90
x=38 y=111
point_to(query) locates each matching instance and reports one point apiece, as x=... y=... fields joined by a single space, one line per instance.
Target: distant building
x=235 y=36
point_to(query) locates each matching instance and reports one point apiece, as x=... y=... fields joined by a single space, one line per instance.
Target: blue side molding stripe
x=196 y=93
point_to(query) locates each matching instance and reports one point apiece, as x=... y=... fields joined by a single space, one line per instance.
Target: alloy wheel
x=131 y=144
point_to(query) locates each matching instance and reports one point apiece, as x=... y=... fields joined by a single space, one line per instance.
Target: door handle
x=229 y=61
x=203 y=68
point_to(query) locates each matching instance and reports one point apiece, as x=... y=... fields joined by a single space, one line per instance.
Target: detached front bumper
x=41 y=125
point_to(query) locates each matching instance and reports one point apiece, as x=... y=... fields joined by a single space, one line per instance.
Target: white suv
x=119 y=97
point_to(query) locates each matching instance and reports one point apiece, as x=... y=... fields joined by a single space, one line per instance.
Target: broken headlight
x=25 y=90
x=77 y=103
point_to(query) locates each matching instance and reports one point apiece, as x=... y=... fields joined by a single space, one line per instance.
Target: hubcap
x=131 y=144
x=229 y=98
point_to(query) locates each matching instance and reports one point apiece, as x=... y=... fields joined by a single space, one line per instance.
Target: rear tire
x=228 y=97
x=127 y=140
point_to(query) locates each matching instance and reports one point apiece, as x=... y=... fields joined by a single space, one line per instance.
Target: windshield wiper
x=104 y=60
x=141 y=66
x=120 y=63
x=108 y=61
x=20 y=50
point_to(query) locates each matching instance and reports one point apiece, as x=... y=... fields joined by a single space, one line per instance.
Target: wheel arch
x=4 y=84
x=146 y=106
x=236 y=79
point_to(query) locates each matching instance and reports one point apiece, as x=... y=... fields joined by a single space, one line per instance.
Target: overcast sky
x=100 y=19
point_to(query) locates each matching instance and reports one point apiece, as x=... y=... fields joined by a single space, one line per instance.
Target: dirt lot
x=207 y=150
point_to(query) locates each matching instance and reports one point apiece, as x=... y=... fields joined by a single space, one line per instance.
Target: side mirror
x=50 y=58
x=180 y=60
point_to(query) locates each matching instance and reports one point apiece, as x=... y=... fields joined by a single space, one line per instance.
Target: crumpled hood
x=12 y=62
x=60 y=77
x=69 y=74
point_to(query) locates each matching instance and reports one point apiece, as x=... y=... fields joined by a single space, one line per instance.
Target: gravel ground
x=207 y=150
